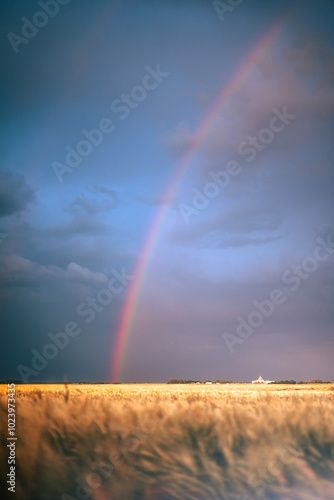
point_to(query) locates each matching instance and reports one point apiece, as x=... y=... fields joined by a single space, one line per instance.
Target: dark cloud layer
x=15 y=194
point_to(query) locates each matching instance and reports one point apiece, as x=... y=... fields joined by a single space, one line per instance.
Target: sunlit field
x=172 y=442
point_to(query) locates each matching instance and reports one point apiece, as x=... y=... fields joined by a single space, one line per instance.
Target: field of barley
x=171 y=442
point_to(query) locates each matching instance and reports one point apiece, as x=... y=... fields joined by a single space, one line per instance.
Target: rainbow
x=203 y=131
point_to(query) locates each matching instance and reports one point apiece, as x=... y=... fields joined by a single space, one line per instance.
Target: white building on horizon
x=261 y=381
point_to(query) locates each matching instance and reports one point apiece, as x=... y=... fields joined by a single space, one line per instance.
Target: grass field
x=166 y=442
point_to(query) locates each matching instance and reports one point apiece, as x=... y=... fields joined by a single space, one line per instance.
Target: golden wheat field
x=171 y=442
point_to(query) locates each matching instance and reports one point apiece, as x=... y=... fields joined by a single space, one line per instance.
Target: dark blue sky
x=76 y=206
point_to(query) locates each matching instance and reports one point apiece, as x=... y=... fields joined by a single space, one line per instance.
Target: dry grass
x=164 y=442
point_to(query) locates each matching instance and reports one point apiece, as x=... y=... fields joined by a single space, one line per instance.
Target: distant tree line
x=182 y=381
x=316 y=381
x=11 y=381
x=285 y=382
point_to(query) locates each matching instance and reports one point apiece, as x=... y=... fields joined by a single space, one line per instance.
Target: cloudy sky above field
x=68 y=231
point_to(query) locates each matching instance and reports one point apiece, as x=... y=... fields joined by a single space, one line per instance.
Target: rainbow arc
x=202 y=133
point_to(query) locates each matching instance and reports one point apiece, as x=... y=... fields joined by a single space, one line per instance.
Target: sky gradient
x=130 y=250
